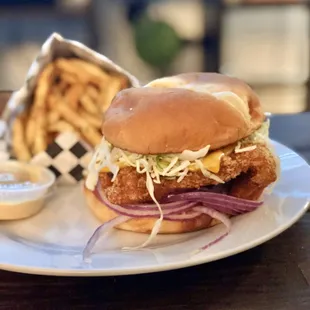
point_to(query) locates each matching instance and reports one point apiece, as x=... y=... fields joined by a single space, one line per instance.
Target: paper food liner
x=4 y=152
x=68 y=155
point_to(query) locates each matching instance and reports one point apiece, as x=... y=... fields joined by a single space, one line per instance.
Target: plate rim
x=97 y=272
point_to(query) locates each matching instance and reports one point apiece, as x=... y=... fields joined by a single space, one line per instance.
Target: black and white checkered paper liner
x=68 y=155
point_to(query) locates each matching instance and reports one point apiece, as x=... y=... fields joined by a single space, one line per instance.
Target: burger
x=180 y=154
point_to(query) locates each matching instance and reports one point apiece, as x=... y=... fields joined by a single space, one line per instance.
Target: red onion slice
x=177 y=207
x=227 y=208
x=220 y=217
x=223 y=209
x=214 y=197
x=102 y=231
x=220 y=202
x=131 y=211
x=223 y=203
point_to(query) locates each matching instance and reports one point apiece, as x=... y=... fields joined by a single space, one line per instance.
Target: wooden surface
x=275 y=275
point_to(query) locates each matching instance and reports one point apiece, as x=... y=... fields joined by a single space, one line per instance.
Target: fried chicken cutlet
x=246 y=175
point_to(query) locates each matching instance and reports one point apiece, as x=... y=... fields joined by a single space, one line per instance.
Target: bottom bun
x=145 y=225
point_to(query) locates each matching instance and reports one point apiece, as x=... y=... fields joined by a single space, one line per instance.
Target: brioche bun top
x=182 y=112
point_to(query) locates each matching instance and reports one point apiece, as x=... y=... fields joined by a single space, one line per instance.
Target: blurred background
x=264 y=42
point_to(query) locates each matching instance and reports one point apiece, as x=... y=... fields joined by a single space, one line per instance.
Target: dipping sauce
x=16 y=179
x=23 y=189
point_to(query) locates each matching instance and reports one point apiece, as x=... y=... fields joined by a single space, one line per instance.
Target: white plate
x=51 y=242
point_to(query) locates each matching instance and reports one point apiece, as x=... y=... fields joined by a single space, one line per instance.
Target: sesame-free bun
x=145 y=225
x=182 y=112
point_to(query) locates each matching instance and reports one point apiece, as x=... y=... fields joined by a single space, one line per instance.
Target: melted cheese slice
x=212 y=162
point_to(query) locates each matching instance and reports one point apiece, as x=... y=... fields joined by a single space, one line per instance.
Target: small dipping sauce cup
x=23 y=189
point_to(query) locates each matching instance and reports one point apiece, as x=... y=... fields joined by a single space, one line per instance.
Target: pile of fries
x=71 y=95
